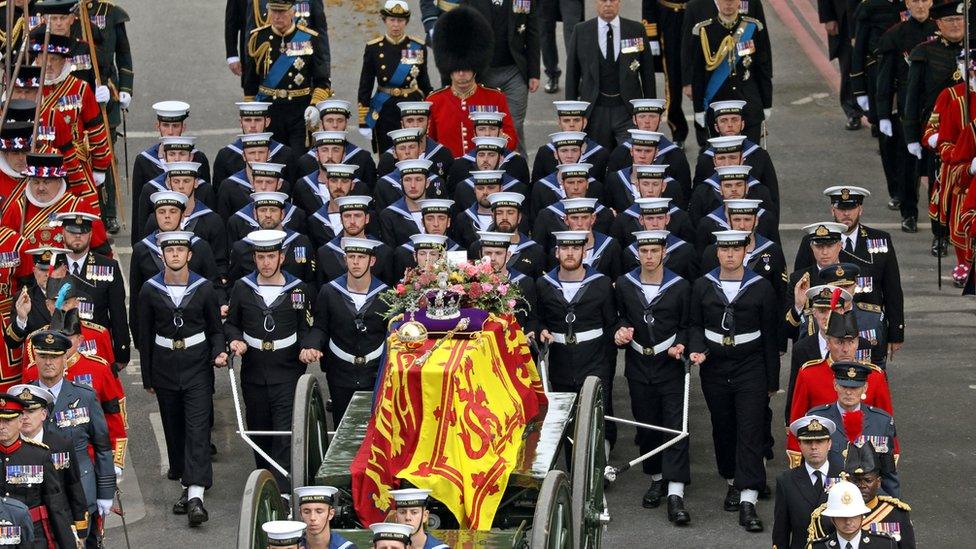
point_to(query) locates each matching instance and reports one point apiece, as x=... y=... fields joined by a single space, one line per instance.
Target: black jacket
x=101 y=293
x=893 y=48
x=796 y=498
x=583 y=71
x=46 y=490
x=522 y=34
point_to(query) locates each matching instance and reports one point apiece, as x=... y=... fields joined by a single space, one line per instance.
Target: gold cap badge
x=851 y=373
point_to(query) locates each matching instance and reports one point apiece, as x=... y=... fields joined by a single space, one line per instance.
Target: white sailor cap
x=283 y=533
x=487 y=143
x=416 y=165
x=825 y=231
x=344 y=171
x=414 y=108
x=405 y=135
x=647 y=105
x=727 y=143
x=648 y=238
x=846 y=196
x=182 y=168
x=252 y=108
x=741 y=206
x=265 y=240
x=578 y=169
x=570 y=238
x=410 y=497
x=76 y=222
x=495 y=239
x=34 y=396
x=266 y=169
x=645 y=138
x=653 y=206
x=814 y=427
x=424 y=241
x=358 y=245
x=391 y=531
x=435 y=205
x=483 y=118
x=571 y=108
x=578 y=205
x=487 y=177
x=563 y=139
x=171 y=111
x=732 y=106
x=731 y=238
x=174 y=238
x=651 y=171
x=334 y=106
x=318 y=494
x=506 y=199
x=261 y=139
x=168 y=198
x=726 y=173
x=821 y=296
x=329 y=138
x=268 y=198
x=353 y=202
x=177 y=142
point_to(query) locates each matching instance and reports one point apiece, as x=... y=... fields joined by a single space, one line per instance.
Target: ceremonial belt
x=278 y=70
x=272 y=93
x=447 y=5
x=271 y=345
x=39 y=514
x=676 y=6
x=657 y=349
x=357 y=360
x=577 y=337
x=180 y=344
x=398 y=92
x=383 y=94
x=732 y=341
x=721 y=68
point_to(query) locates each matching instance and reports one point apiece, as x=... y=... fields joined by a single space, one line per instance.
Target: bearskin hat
x=462 y=41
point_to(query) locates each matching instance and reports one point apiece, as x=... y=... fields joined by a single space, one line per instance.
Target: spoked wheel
x=309 y=431
x=261 y=502
x=589 y=460
x=552 y=524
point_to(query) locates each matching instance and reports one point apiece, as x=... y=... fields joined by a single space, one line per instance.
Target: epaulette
x=445 y=88
x=484 y=87
x=376 y=40
x=420 y=40
x=35 y=443
x=261 y=28
x=97 y=359
x=92 y=326
x=873 y=366
x=698 y=26
x=895 y=501
x=811 y=363
x=814 y=527
x=871 y=307
x=308 y=30
x=82 y=386
x=757 y=22
x=821 y=407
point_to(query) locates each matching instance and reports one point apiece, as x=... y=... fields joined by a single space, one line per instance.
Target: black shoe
x=552 y=84
x=653 y=495
x=213 y=449
x=173 y=474
x=112 y=225
x=765 y=493
x=909 y=225
x=748 y=518
x=853 y=123
x=731 y=499
x=179 y=508
x=195 y=513
x=894 y=204
x=940 y=246
x=676 y=511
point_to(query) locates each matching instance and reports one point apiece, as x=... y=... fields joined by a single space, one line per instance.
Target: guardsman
x=32 y=479
x=284 y=534
x=573 y=182
x=846 y=511
x=182 y=339
x=391 y=535
x=316 y=507
x=858 y=422
x=349 y=330
x=37 y=404
x=406 y=147
x=77 y=415
x=653 y=304
x=436 y=220
x=254 y=119
x=496 y=247
x=622 y=187
x=728 y=182
x=527 y=257
x=571 y=117
x=335 y=115
x=733 y=315
x=655 y=214
x=732 y=61
x=873 y=251
x=489 y=155
x=411 y=509
x=489 y=152
x=328 y=149
x=315 y=194
x=730 y=148
x=800 y=490
x=647 y=117
x=354 y=216
x=577 y=318
x=397 y=65
x=568 y=150
x=269 y=210
x=270 y=313
x=652 y=183
x=477 y=216
x=403 y=218
x=287 y=64
x=416 y=114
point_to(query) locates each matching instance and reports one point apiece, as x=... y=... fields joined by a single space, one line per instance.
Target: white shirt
x=823 y=472
x=570 y=289
x=358 y=300
x=601 y=35
x=56 y=389
x=650 y=291
x=731 y=288
x=39 y=437
x=269 y=294
x=855 y=543
x=176 y=293
x=852 y=237
x=822 y=341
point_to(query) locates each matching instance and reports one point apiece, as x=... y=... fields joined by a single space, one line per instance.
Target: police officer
x=181 y=340
x=846 y=509
x=354 y=216
x=496 y=247
x=411 y=509
x=30 y=477
x=349 y=329
x=102 y=289
x=734 y=317
x=288 y=64
x=316 y=507
x=269 y=314
x=254 y=119
x=397 y=65
x=299 y=261
x=653 y=304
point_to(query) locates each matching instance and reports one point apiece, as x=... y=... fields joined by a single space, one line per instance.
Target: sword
x=125 y=149
x=121 y=513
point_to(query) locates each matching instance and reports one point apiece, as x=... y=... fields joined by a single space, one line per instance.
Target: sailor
x=428 y=249
x=573 y=183
x=527 y=256
x=571 y=117
x=416 y=115
x=328 y=149
x=316 y=192
x=233 y=191
x=411 y=509
x=269 y=210
x=391 y=535
x=284 y=534
x=600 y=252
x=254 y=119
x=334 y=117
x=403 y=218
x=355 y=217
x=496 y=247
x=247 y=219
x=726 y=183
x=647 y=117
x=652 y=182
x=622 y=186
x=436 y=219
x=568 y=150
x=316 y=507
x=846 y=509
x=477 y=216
x=406 y=146
x=488 y=153
x=657 y=214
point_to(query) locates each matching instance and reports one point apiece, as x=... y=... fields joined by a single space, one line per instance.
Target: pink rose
x=401 y=289
x=487 y=287
x=503 y=289
x=511 y=303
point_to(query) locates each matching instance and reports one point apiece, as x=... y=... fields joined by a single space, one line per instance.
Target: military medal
x=766 y=258
x=98 y=21
x=86 y=310
x=25 y=474
x=299 y=79
x=299 y=63
x=84 y=379
x=297 y=300
x=299 y=254
x=61 y=460
x=9 y=535
x=634 y=65
x=521 y=6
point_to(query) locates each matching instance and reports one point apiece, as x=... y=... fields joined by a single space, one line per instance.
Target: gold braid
x=713 y=61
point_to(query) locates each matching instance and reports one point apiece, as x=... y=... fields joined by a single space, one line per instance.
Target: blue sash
x=722 y=72
x=281 y=65
x=396 y=81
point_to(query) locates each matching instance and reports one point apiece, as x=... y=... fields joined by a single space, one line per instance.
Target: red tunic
x=33 y=222
x=13 y=265
x=450 y=123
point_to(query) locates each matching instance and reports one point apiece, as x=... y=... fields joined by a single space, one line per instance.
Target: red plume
x=853 y=424
x=834 y=298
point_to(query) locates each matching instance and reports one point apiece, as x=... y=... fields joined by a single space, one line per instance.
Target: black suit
x=796 y=498
x=840 y=46
x=609 y=114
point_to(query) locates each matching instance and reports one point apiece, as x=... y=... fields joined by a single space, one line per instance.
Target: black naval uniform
x=142 y=216
x=668 y=154
x=796 y=498
x=230 y=160
x=834 y=541
x=440 y=156
x=270 y=368
x=243 y=222
x=351 y=339
x=303 y=80
x=179 y=343
x=742 y=367
x=330 y=262
x=464 y=195
x=299 y=257
x=707 y=197
x=593 y=153
x=680 y=258
x=528 y=315
x=148 y=167
x=30 y=477
x=365 y=172
x=102 y=299
x=528 y=257
x=553 y=219
x=751 y=75
x=206 y=224
x=399 y=72
x=583 y=327
x=767 y=226
x=14 y=513
x=752 y=155
x=655 y=380
x=549 y=191
x=621 y=193
x=69 y=474
x=627 y=221
x=604 y=256
x=511 y=162
x=307 y=194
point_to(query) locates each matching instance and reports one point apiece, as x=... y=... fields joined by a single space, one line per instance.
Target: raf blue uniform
x=14 y=515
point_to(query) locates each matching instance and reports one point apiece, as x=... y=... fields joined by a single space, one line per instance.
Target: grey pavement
x=178 y=52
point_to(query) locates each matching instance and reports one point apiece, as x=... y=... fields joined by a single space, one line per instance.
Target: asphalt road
x=179 y=54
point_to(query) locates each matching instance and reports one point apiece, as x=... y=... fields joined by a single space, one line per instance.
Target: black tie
x=75 y=269
x=609 y=42
x=849 y=246
x=848 y=546
x=818 y=484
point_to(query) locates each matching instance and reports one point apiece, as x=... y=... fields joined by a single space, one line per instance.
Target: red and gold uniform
x=33 y=219
x=13 y=266
x=450 y=120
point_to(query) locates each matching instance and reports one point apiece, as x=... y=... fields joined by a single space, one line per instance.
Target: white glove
x=102 y=94
x=915 y=150
x=124 y=99
x=118 y=471
x=655 y=47
x=232 y=60
x=933 y=139
x=862 y=101
x=104 y=506
x=99 y=178
x=767 y=113
x=884 y=126
x=972 y=167
x=312 y=118
x=366 y=132
x=700 y=119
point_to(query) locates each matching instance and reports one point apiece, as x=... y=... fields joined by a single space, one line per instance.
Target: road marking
x=810 y=98
x=972 y=386
x=156 y=421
